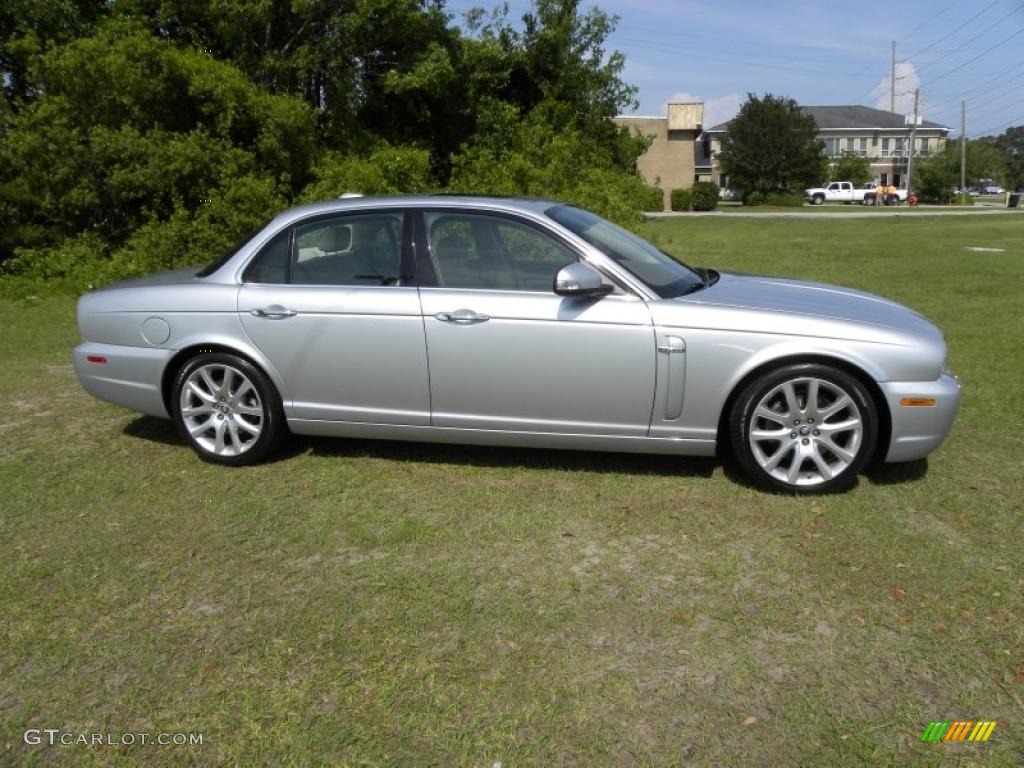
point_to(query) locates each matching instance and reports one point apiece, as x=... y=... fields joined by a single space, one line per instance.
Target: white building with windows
x=882 y=136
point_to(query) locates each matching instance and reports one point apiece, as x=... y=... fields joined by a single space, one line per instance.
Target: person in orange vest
x=890 y=195
x=879 y=194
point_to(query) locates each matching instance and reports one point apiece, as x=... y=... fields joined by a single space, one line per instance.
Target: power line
x=988 y=131
x=963 y=45
x=954 y=31
x=675 y=50
x=1001 y=43
x=930 y=20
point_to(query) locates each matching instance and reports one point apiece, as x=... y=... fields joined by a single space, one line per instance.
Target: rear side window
x=271 y=264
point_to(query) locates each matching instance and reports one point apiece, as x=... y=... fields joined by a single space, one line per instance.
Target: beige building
x=684 y=152
x=883 y=137
x=676 y=157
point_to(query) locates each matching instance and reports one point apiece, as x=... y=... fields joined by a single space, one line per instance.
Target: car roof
x=534 y=205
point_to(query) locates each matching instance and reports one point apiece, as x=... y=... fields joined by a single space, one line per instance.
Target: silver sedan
x=517 y=323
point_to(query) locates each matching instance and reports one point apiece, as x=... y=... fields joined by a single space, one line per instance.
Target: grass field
x=358 y=603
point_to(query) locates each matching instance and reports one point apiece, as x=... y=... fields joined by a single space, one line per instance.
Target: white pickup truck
x=845 y=192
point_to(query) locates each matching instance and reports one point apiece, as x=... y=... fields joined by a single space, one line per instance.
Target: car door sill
x=505 y=438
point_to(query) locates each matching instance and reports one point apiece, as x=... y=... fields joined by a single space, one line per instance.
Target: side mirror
x=580 y=280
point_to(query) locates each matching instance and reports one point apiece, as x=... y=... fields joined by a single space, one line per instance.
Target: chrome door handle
x=462 y=316
x=273 y=312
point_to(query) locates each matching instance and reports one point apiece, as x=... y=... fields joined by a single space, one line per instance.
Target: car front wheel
x=227 y=409
x=804 y=428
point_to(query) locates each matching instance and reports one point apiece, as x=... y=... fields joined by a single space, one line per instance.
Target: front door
x=507 y=353
x=324 y=301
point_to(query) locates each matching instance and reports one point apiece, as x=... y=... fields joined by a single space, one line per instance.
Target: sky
x=822 y=53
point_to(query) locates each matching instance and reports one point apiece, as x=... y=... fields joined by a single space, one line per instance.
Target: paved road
x=843 y=214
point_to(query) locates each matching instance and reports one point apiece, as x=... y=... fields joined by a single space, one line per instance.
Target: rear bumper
x=130 y=377
x=919 y=430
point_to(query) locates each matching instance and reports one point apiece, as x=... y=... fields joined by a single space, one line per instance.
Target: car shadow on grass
x=153 y=429
x=500 y=457
x=163 y=431
x=897 y=474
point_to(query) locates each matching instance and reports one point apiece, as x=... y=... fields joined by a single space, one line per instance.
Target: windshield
x=657 y=270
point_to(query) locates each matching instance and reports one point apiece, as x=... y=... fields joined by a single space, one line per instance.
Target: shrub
x=681 y=199
x=655 y=200
x=784 y=200
x=705 y=196
x=754 y=198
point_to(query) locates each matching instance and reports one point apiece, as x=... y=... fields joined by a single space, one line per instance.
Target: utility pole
x=913 y=134
x=963 y=150
x=892 y=80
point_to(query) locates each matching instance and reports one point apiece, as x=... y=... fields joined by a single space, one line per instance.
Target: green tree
x=129 y=131
x=984 y=161
x=852 y=167
x=935 y=178
x=771 y=146
x=1011 y=144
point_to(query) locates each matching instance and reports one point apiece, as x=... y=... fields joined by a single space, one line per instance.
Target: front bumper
x=919 y=430
x=130 y=377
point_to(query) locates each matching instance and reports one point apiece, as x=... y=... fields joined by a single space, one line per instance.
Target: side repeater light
x=98 y=359
x=917 y=402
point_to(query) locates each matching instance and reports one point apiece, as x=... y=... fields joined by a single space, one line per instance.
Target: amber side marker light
x=98 y=359
x=918 y=402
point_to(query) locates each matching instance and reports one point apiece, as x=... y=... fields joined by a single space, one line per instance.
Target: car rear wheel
x=818 y=199
x=227 y=409
x=804 y=428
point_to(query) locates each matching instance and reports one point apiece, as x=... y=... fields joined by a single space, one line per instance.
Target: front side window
x=352 y=249
x=472 y=250
x=657 y=270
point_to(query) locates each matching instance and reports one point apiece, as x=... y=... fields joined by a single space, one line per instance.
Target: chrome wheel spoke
x=811 y=403
x=840 y=402
x=840 y=452
x=819 y=461
x=198 y=410
x=769 y=434
x=793 y=473
x=778 y=456
x=244 y=389
x=252 y=429
x=202 y=394
x=769 y=415
x=791 y=401
x=198 y=427
x=218 y=437
x=248 y=410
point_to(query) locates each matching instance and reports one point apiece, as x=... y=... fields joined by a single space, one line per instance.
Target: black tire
x=803 y=436
x=265 y=399
x=817 y=199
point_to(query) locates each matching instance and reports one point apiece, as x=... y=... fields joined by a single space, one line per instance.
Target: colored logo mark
x=959 y=730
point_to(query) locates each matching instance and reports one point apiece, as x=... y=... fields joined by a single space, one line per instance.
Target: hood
x=814 y=300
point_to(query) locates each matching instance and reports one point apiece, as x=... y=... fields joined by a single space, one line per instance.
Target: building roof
x=851 y=117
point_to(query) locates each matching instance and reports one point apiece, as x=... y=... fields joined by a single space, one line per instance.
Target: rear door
x=329 y=302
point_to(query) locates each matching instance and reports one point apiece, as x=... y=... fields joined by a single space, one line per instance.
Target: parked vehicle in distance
x=515 y=322
x=727 y=194
x=834 y=192
x=993 y=189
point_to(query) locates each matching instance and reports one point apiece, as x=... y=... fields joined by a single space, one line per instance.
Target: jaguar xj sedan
x=515 y=322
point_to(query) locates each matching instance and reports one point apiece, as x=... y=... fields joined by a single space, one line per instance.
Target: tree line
x=137 y=135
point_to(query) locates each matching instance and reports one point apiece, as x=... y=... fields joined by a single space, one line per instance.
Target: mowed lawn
x=359 y=603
